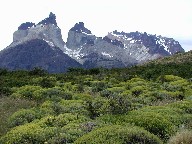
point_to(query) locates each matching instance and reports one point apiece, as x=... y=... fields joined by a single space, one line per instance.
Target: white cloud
x=171 y=18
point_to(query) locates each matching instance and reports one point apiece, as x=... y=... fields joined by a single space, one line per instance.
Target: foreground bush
x=155 y=123
x=23 y=116
x=50 y=129
x=28 y=134
x=118 y=134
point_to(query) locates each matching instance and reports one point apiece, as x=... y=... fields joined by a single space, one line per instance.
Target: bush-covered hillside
x=150 y=104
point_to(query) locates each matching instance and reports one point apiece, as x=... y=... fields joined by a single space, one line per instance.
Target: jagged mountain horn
x=46 y=30
x=38 y=45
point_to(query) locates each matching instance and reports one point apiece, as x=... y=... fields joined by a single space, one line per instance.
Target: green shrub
x=64 y=106
x=98 y=106
x=82 y=96
x=116 y=89
x=74 y=106
x=180 y=83
x=186 y=106
x=68 y=86
x=47 y=82
x=23 y=116
x=163 y=94
x=71 y=132
x=137 y=90
x=98 y=86
x=61 y=120
x=54 y=93
x=48 y=129
x=169 y=78
x=50 y=108
x=157 y=123
x=72 y=127
x=37 y=71
x=119 y=104
x=28 y=134
x=109 y=119
x=153 y=122
x=118 y=135
x=105 y=93
x=26 y=92
x=173 y=115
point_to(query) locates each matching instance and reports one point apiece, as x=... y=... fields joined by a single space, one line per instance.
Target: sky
x=170 y=18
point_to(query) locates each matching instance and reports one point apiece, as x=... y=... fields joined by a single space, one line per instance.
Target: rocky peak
x=50 y=20
x=46 y=30
x=79 y=36
x=26 y=26
x=114 y=42
x=156 y=44
x=80 y=28
x=171 y=45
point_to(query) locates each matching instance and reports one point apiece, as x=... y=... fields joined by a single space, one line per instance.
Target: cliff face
x=46 y=30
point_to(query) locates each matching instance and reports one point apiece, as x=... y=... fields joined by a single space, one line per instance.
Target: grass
x=182 y=137
x=7 y=107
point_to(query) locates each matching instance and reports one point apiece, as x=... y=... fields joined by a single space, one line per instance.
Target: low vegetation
x=142 y=104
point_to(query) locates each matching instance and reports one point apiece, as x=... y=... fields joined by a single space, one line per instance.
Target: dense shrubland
x=142 y=104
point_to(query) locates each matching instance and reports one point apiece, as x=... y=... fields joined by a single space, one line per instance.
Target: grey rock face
x=92 y=51
x=117 y=49
x=38 y=45
x=156 y=44
x=46 y=30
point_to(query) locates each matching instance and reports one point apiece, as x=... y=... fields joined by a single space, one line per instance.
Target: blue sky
x=171 y=18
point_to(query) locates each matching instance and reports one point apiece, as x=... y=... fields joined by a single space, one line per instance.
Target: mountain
x=46 y=30
x=36 y=53
x=37 y=46
x=41 y=45
x=117 y=49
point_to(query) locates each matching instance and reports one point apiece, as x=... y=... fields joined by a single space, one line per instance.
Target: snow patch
x=85 y=33
x=129 y=39
x=49 y=43
x=132 y=41
x=106 y=54
x=74 y=53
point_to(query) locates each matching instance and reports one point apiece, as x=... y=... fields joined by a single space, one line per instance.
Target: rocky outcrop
x=92 y=51
x=46 y=30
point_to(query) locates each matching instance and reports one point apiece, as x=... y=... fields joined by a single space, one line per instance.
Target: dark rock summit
x=26 y=26
x=80 y=28
x=50 y=20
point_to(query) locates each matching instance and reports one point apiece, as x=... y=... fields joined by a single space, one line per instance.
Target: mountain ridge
x=116 y=49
